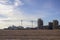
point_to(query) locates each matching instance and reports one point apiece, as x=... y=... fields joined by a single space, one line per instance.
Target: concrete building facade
x=50 y=25
x=55 y=24
x=40 y=23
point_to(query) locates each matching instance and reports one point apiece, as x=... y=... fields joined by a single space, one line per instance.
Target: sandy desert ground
x=29 y=34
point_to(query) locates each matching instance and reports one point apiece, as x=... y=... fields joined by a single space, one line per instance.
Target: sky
x=12 y=11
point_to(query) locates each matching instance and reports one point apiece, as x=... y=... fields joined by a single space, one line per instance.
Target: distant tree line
x=13 y=27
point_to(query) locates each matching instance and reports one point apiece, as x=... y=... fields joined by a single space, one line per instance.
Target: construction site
x=50 y=32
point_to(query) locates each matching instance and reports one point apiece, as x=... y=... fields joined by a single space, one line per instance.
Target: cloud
x=10 y=10
x=9 y=13
x=18 y=2
x=6 y=10
x=3 y=1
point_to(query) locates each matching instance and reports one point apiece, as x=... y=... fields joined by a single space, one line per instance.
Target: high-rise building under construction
x=55 y=24
x=40 y=23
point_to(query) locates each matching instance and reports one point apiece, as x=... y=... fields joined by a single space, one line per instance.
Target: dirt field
x=29 y=34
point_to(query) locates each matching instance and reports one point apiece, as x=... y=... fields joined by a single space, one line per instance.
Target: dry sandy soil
x=29 y=34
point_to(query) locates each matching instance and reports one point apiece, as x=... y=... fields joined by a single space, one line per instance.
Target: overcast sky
x=12 y=11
